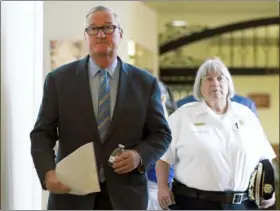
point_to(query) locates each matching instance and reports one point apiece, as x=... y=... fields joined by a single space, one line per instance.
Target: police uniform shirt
x=216 y=152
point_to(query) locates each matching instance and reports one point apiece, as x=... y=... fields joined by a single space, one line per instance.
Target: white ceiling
x=265 y=6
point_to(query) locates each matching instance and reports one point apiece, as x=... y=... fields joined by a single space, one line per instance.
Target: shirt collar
x=94 y=68
x=204 y=108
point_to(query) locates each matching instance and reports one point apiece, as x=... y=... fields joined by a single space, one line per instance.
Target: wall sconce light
x=131 y=48
x=179 y=23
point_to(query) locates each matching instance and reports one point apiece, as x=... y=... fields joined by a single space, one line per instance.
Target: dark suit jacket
x=66 y=114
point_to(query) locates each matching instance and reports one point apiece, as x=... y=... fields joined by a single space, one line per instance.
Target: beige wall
x=143 y=29
x=269 y=117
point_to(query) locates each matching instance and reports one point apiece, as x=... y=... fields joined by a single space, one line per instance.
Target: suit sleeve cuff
x=141 y=167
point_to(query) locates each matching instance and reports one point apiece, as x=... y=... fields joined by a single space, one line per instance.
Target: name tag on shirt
x=199 y=123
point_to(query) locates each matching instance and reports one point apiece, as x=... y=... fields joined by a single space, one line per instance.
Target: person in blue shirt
x=236 y=98
x=169 y=106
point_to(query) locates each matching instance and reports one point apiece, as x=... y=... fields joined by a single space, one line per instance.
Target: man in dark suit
x=236 y=98
x=103 y=100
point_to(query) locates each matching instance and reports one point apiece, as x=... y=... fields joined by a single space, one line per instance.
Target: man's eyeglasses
x=94 y=30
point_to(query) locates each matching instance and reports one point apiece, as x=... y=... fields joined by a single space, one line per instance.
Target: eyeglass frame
x=102 y=28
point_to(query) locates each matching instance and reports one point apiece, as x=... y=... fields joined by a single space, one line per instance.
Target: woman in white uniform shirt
x=216 y=144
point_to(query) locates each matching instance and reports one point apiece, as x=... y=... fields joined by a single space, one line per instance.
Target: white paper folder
x=79 y=171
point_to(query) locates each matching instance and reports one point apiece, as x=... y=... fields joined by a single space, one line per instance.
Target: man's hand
x=126 y=162
x=53 y=185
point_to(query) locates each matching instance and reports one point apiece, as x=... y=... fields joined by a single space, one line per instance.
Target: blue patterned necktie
x=103 y=116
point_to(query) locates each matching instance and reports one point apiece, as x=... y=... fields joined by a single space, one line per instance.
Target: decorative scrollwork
x=174 y=32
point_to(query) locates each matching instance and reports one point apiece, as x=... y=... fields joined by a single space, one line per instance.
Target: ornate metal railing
x=248 y=48
x=217 y=31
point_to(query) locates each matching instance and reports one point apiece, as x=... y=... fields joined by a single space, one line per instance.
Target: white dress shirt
x=216 y=152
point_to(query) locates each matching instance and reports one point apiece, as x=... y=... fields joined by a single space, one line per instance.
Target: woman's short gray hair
x=215 y=65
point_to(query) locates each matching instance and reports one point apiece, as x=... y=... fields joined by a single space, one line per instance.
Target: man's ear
x=121 y=33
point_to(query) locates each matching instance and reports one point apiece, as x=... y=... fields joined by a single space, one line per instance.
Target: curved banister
x=207 y=33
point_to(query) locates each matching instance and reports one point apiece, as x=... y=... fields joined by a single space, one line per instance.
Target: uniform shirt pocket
x=201 y=134
x=247 y=137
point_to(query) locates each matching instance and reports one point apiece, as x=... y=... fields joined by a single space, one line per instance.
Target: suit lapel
x=124 y=90
x=84 y=97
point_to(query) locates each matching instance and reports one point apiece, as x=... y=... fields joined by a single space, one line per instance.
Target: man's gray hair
x=215 y=65
x=101 y=8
